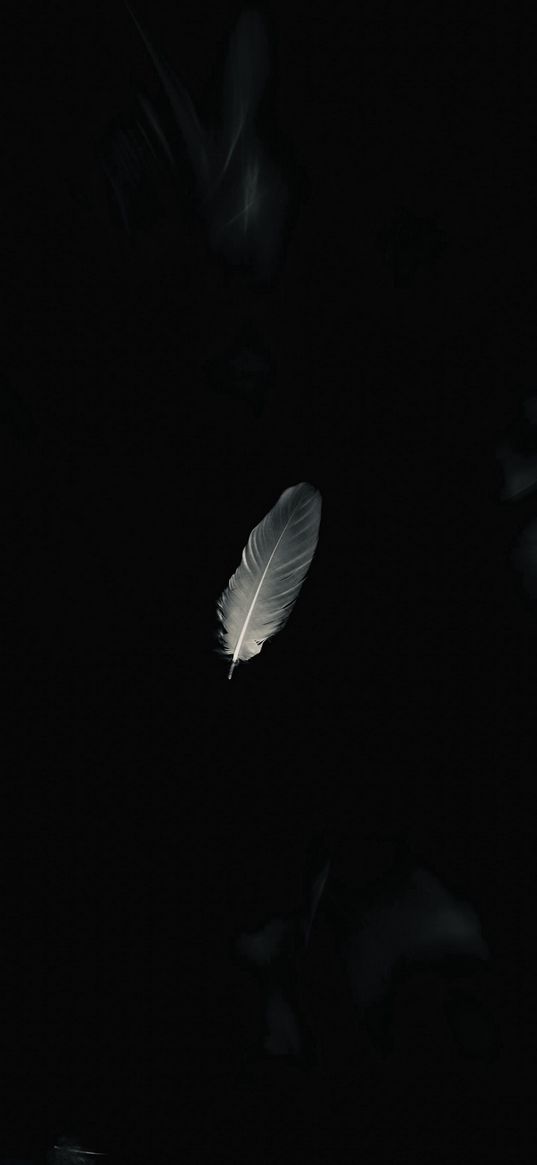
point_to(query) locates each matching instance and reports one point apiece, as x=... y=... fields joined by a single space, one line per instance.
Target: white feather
x=263 y=591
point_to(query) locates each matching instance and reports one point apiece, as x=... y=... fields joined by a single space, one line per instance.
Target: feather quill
x=68 y=1151
x=263 y=590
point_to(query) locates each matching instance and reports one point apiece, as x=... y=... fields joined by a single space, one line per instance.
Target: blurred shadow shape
x=408 y=921
x=241 y=193
x=244 y=371
x=137 y=161
x=16 y=413
x=530 y=409
x=272 y=953
x=410 y=245
x=472 y=1025
x=524 y=558
x=520 y=473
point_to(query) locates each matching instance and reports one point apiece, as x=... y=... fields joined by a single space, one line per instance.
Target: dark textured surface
x=152 y=810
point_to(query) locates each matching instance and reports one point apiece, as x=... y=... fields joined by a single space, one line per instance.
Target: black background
x=152 y=808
